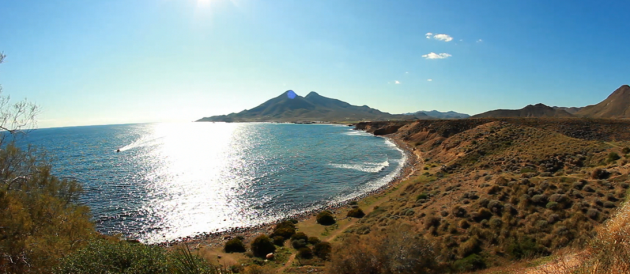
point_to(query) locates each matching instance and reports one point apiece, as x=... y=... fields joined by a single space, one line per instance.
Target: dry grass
x=611 y=248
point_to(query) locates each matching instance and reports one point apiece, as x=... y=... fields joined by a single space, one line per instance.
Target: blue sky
x=115 y=61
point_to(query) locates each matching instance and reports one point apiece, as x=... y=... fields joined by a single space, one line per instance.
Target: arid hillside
x=495 y=190
x=617 y=105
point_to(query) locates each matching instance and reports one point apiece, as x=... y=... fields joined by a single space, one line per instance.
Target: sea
x=164 y=181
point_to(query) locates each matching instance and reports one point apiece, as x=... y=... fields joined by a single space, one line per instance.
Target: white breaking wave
x=365 y=167
x=352 y=132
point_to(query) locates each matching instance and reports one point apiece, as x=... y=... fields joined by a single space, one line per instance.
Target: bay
x=172 y=180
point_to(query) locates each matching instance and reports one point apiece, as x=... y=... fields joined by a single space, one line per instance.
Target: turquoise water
x=178 y=180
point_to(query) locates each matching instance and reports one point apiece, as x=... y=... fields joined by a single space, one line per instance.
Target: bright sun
x=203 y=3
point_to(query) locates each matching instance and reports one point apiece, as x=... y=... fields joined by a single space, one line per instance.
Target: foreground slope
x=289 y=107
x=617 y=105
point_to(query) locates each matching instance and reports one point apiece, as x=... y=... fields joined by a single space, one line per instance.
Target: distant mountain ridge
x=290 y=107
x=530 y=111
x=617 y=105
x=439 y=114
x=571 y=110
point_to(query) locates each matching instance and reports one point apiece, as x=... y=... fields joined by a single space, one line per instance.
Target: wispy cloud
x=480 y=41
x=430 y=80
x=396 y=82
x=433 y=55
x=439 y=36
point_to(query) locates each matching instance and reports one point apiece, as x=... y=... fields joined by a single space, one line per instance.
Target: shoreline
x=214 y=239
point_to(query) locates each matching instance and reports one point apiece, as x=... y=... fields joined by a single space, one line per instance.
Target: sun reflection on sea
x=184 y=182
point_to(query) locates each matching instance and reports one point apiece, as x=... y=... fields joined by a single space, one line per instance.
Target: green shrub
x=278 y=240
x=524 y=247
x=626 y=150
x=41 y=219
x=325 y=218
x=234 y=245
x=299 y=236
x=356 y=213
x=322 y=250
x=313 y=240
x=482 y=214
x=552 y=205
x=613 y=156
x=262 y=245
x=103 y=256
x=421 y=196
x=470 y=263
x=298 y=243
x=286 y=229
x=305 y=252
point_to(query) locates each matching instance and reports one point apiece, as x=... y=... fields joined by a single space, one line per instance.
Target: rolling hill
x=530 y=111
x=289 y=107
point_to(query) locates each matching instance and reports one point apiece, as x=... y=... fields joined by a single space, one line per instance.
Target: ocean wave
x=352 y=132
x=365 y=167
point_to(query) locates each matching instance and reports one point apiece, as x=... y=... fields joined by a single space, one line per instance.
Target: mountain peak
x=312 y=94
x=314 y=107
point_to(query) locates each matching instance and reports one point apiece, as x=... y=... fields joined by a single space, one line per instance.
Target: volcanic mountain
x=538 y=110
x=617 y=105
x=289 y=107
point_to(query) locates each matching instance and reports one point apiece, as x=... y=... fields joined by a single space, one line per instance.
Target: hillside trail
x=418 y=163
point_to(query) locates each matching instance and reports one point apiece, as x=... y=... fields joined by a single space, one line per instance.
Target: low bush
x=299 y=236
x=313 y=240
x=421 y=196
x=322 y=250
x=552 y=205
x=325 y=218
x=305 y=252
x=262 y=245
x=286 y=229
x=613 y=156
x=102 y=256
x=278 y=240
x=470 y=263
x=234 y=245
x=524 y=247
x=396 y=250
x=356 y=213
x=299 y=243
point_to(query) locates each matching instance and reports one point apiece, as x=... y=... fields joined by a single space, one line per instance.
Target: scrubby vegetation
x=356 y=213
x=325 y=218
x=498 y=190
x=262 y=245
x=235 y=245
x=398 y=250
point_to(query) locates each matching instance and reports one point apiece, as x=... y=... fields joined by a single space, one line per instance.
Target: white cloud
x=443 y=37
x=396 y=82
x=439 y=36
x=429 y=80
x=433 y=55
x=479 y=41
x=406 y=72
